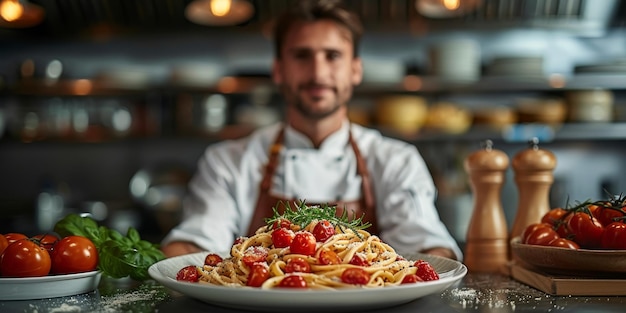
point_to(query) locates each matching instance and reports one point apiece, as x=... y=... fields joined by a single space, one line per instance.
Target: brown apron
x=266 y=201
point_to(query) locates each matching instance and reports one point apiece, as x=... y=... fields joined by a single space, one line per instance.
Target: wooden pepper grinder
x=487 y=245
x=534 y=176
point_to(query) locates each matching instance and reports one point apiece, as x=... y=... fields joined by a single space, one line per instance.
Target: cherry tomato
x=355 y=276
x=259 y=273
x=24 y=258
x=530 y=229
x=410 y=279
x=614 y=236
x=564 y=243
x=293 y=281
x=188 y=273
x=74 y=254
x=586 y=230
x=281 y=223
x=212 y=259
x=425 y=271
x=254 y=254
x=282 y=237
x=554 y=216
x=608 y=214
x=359 y=260
x=323 y=230
x=3 y=243
x=297 y=265
x=13 y=237
x=329 y=257
x=47 y=241
x=541 y=235
x=303 y=243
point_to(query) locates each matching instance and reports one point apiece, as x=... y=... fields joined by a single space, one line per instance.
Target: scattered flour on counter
x=115 y=303
x=66 y=308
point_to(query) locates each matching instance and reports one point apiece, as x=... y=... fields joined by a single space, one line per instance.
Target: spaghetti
x=312 y=248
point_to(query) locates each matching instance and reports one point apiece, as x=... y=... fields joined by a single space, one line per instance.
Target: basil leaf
x=110 y=260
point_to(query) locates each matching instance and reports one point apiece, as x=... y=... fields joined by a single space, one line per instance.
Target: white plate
x=256 y=299
x=48 y=286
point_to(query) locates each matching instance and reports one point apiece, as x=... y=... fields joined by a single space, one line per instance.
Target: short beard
x=299 y=105
x=311 y=114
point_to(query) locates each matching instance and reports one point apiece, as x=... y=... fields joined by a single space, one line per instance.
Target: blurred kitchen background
x=106 y=105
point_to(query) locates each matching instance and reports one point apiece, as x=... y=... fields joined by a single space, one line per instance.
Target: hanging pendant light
x=446 y=8
x=219 y=12
x=20 y=14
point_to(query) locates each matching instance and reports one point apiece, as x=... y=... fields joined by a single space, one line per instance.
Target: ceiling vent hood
x=580 y=17
x=65 y=18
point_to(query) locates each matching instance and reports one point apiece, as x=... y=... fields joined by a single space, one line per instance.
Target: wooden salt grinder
x=534 y=176
x=487 y=243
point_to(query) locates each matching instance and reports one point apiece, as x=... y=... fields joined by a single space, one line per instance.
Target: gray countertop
x=477 y=292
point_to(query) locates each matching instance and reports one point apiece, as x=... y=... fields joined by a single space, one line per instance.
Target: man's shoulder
x=259 y=140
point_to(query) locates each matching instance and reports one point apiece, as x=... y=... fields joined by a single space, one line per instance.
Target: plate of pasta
x=308 y=258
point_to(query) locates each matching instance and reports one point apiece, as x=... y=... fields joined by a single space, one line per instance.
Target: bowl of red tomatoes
x=46 y=266
x=586 y=239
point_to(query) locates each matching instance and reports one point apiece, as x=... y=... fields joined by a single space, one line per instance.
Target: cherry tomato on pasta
x=303 y=243
x=355 y=276
x=282 y=237
x=293 y=281
x=425 y=271
x=24 y=258
x=359 y=260
x=410 y=279
x=329 y=257
x=212 y=259
x=296 y=265
x=259 y=273
x=323 y=230
x=255 y=254
x=74 y=254
x=281 y=223
x=188 y=273
x=614 y=236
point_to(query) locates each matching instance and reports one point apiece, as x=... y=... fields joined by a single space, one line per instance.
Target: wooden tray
x=561 y=285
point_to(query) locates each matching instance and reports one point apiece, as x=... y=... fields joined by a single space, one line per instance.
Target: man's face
x=317 y=70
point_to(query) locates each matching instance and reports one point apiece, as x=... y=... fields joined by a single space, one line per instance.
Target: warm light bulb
x=220 y=7
x=11 y=10
x=451 y=4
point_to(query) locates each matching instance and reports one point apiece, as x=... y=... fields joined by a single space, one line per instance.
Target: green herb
x=303 y=215
x=119 y=256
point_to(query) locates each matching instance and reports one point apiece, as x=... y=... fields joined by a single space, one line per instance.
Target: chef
x=316 y=154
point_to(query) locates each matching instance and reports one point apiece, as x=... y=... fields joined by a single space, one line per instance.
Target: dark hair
x=315 y=10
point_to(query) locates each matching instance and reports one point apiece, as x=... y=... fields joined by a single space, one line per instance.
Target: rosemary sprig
x=303 y=215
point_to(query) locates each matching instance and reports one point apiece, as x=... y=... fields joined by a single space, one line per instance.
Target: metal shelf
x=523 y=133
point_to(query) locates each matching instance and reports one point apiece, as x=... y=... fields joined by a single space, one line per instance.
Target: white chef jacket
x=223 y=192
